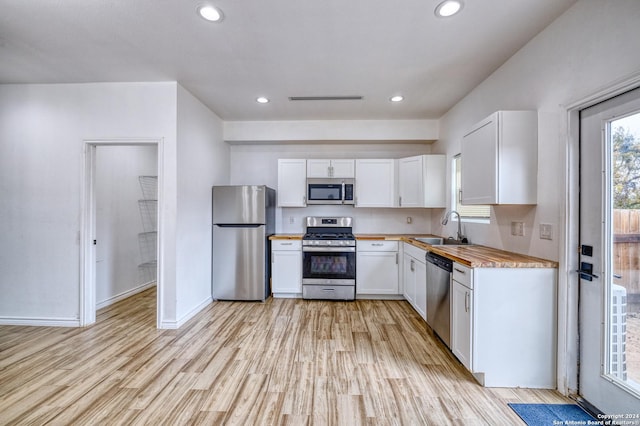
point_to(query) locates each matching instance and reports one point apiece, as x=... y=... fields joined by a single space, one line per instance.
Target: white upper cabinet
x=330 y=168
x=292 y=183
x=375 y=183
x=500 y=159
x=421 y=181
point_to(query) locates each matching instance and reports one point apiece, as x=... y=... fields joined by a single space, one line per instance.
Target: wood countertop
x=474 y=256
x=286 y=237
x=392 y=237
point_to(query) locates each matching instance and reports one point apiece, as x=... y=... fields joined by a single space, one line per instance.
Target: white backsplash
x=365 y=220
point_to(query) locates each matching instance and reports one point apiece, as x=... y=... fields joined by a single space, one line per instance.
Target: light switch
x=546 y=231
x=517 y=229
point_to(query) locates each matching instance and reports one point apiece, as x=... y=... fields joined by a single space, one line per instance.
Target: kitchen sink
x=452 y=242
x=434 y=241
x=437 y=241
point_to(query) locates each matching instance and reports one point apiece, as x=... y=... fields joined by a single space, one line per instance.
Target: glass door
x=609 y=312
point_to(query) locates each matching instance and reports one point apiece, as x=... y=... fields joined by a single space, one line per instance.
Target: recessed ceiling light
x=210 y=13
x=262 y=100
x=448 y=8
x=396 y=98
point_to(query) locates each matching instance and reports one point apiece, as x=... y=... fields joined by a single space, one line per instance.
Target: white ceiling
x=276 y=48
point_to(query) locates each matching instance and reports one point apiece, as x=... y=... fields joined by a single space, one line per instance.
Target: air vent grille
x=325 y=98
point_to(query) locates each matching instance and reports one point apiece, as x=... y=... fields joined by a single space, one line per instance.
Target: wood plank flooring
x=285 y=361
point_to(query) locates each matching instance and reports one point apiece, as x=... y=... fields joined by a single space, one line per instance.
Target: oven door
x=329 y=265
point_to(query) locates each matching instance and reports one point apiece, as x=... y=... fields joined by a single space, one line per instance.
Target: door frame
x=568 y=280
x=87 y=308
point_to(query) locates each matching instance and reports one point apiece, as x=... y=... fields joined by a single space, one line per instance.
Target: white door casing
x=87 y=308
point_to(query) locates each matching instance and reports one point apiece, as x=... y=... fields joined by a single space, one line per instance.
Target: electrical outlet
x=409 y=219
x=291 y=220
x=517 y=229
x=546 y=231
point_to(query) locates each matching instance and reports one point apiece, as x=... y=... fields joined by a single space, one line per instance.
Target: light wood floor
x=286 y=361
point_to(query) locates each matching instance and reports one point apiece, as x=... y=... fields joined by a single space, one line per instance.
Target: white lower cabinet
x=503 y=325
x=286 y=268
x=461 y=305
x=420 y=301
x=414 y=270
x=377 y=268
x=408 y=278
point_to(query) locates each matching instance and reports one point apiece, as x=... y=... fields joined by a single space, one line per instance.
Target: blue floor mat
x=550 y=414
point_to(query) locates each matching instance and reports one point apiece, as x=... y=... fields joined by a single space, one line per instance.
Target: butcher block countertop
x=474 y=256
x=286 y=237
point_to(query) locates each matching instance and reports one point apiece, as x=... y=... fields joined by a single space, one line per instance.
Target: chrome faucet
x=446 y=220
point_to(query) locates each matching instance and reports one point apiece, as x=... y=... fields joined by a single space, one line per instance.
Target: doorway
x=609 y=255
x=101 y=242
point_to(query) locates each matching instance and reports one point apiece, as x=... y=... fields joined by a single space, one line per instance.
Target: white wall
x=42 y=128
x=203 y=161
x=257 y=164
x=118 y=219
x=330 y=130
x=592 y=45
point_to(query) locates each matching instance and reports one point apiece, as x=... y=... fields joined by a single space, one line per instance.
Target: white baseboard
x=379 y=297
x=124 y=295
x=171 y=325
x=287 y=295
x=40 y=322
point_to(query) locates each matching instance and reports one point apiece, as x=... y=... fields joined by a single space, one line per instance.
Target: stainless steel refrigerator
x=243 y=220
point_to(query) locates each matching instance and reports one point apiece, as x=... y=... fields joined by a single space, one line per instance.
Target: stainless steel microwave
x=330 y=191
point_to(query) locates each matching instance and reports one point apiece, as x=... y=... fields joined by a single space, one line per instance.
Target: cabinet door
x=434 y=180
x=343 y=169
x=410 y=182
x=318 y=168
x=292 y=183
x=420 y=300
x=286 y=272
x=375 y=183
x=377 y=272
x=461 y=323
x=480 y=163
x=409 y=284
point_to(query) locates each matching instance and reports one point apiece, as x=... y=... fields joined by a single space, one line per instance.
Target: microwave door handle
x=343 y=191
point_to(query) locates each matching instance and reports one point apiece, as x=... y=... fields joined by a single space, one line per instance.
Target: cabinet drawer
x=415 y=252
x=463 y=275
x=333 y=292
x=377 y=245
x=286 y=245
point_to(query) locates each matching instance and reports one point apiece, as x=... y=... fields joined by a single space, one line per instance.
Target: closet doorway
x=121 y=231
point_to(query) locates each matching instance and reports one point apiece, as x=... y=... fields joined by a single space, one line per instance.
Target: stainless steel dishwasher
x=439 y=271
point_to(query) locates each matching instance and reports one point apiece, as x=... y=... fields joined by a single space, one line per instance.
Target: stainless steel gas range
x=329 y=259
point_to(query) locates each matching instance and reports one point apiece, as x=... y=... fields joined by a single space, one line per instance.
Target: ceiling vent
x=325 y=98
